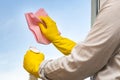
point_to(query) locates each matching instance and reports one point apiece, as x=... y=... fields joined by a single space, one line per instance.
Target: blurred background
x=73 y=18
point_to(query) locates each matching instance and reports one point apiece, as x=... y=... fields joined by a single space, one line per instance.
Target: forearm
x=64 y=45
x=81 y=63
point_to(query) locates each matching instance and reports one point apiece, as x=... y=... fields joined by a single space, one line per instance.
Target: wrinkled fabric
x=98 y=55
x=32 y=21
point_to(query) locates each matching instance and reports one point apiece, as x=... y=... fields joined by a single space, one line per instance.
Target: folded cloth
x=32 y=21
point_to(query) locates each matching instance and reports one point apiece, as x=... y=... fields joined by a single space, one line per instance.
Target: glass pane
x=73 y=18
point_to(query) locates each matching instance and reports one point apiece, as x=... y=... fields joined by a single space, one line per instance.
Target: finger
x=50 y=19
x=42 y=27
x=47 y=20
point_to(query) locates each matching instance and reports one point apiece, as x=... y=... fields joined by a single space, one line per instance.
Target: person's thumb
x=42 y=27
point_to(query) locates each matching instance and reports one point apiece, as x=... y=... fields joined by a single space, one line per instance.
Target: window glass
x=73 y=18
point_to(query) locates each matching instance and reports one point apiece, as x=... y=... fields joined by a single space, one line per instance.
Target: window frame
x=95 y=7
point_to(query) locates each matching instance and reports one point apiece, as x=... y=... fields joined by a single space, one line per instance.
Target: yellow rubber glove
x=32 y=61
x=65 y=45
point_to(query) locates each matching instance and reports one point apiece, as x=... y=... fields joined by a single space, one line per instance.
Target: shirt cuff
x=42 y=70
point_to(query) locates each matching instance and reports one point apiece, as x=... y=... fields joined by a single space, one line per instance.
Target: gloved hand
x=49 y=29
x=32 y=61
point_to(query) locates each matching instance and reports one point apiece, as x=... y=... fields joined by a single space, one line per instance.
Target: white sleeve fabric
x=41 y=71
x=90 y=56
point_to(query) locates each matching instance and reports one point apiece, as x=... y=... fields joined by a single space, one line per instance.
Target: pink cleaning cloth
x=33 y=20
